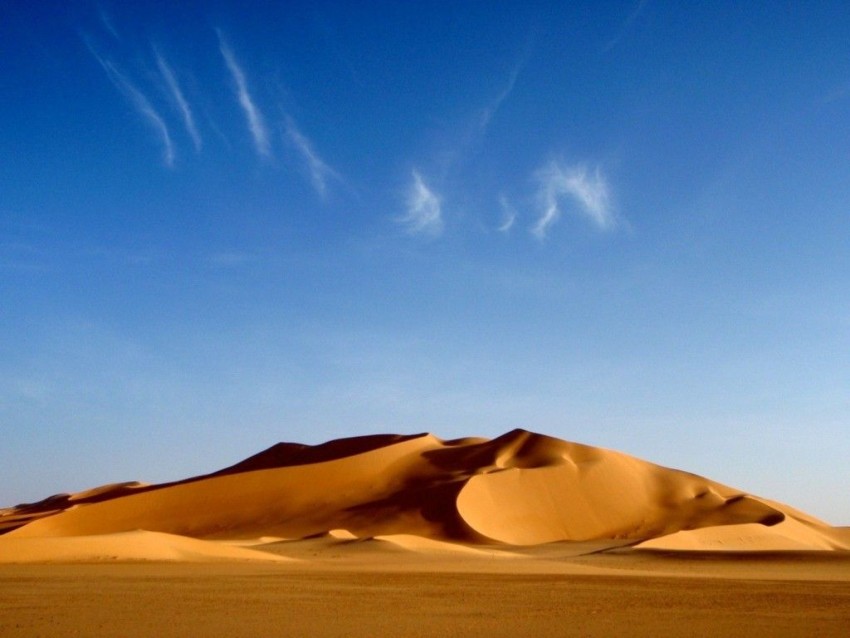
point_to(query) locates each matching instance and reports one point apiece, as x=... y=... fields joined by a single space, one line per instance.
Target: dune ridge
x=521 y=488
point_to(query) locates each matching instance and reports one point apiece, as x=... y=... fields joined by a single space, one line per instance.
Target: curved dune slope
x=520 y=488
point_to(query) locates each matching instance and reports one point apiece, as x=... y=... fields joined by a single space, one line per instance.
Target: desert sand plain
x=410 y=535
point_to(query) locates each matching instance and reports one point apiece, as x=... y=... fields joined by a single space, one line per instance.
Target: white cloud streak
x=141 y=104
x=320 y=172
x=107 y=24
x=179 y=99
x=254 y=118
x=587 y=189
x=489 y=111
x=424 y=215
x=626 y=26
x=509 y=215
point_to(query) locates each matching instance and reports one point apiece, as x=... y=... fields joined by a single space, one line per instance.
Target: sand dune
x=518 y=489
x=124 y=546
x=789 y=535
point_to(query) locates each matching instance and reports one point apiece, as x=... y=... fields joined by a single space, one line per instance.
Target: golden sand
x=522 y=535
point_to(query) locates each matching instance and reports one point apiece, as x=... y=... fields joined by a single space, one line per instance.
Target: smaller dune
x=420 y=544
x=789 y=535
x=124 y=547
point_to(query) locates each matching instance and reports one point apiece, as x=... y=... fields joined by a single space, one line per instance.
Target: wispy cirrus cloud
x=490 y=109
x=587 y=189
x=140 y=102
x=179 y=99
x=509 y=215
x=320 y=172
x=253 y=116
x=424 y=214
x=626 y=26
x=106 y=21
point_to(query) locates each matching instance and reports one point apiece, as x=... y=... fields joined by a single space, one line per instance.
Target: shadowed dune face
x=289 y=454
x=290 y=502
x=279 y=455
x=20 y=515
x=520 y=488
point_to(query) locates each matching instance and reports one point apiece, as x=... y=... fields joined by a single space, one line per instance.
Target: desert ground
x=601 y=595
x=522 y=535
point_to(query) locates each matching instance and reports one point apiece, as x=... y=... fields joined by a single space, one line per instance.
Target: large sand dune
x=518 y=489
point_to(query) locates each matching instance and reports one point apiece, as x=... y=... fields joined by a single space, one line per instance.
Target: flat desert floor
x=366 y=590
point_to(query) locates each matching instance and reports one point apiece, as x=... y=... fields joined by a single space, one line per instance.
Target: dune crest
x=520 y=488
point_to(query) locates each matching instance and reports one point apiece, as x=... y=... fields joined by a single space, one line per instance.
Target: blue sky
x=224 y=225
